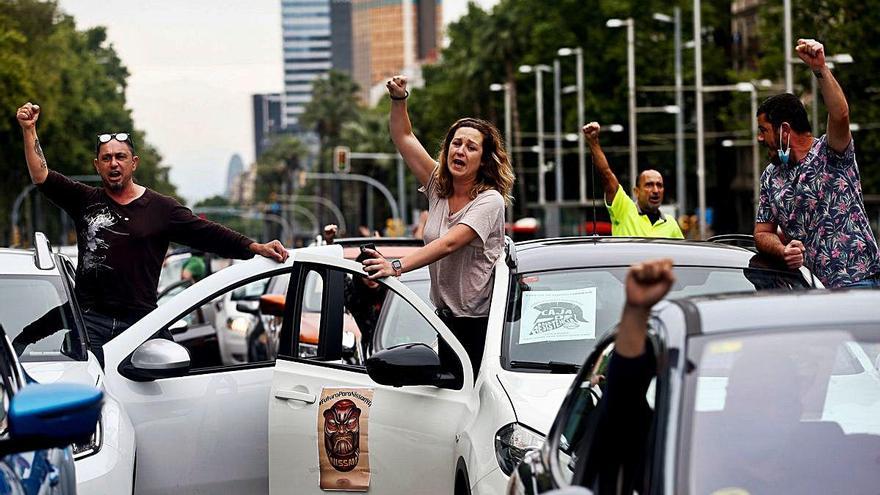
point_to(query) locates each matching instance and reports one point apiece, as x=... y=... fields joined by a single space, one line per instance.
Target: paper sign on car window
x=550 y=316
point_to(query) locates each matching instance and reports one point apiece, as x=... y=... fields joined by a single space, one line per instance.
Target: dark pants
x=102 y=329
x=471 y=333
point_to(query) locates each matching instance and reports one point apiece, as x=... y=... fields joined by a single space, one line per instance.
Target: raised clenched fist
x=591 y=132
x=27 y=115
x=812 y=52
x=648 y=282
x=397 y=87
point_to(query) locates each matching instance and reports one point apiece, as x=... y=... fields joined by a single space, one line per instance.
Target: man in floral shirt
x=811 y=190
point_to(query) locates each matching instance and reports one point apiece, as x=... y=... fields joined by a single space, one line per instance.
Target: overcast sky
x=194 y=65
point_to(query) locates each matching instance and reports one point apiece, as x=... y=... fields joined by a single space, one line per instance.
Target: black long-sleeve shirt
x=122 y=247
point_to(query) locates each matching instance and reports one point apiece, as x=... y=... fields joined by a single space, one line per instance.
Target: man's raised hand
x=648 y=282
x=812 y=52
x=591 y=132
x=27 y=115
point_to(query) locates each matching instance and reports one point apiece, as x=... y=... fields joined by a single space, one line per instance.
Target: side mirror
x=178 y=327
x=272 y=304
x=156 y=359
x=248 y=307
x=51 y=416
x=409 y=365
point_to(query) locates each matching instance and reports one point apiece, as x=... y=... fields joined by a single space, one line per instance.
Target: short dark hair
x=785 y=107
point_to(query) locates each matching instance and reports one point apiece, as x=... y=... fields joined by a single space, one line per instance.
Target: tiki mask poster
x=343 y=438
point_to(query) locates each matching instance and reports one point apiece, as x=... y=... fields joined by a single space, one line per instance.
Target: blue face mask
x=784 y=155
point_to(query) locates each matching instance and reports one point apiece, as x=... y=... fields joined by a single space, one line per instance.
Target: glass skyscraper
x=305 y=26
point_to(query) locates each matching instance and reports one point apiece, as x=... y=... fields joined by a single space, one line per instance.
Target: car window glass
x=366 y=302
x=579 y=423
x=784 y=399
x=223 y=331
x=38 y=318
x=557 y=316
x=401 y=323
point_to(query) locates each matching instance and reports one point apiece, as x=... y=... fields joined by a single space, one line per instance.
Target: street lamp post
x=701 y=152
x=631 y=91
x=539 y=107
x=680 y=184
x=508 y=125
x=786 y=44
x=582 y=148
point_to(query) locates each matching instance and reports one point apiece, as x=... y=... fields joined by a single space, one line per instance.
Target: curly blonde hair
x=495 y=171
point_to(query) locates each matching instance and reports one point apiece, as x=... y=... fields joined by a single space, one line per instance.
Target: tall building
x=235 y=168
x=305 y=27
x=744 y=28
x=391 y=37
x=268 y=120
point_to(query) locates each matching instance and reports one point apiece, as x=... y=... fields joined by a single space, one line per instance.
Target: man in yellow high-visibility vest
x=628 y=218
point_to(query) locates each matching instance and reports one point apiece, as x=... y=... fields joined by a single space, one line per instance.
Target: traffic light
x=341 y=164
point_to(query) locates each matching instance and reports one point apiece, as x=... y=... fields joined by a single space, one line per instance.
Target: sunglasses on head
x=122 y=137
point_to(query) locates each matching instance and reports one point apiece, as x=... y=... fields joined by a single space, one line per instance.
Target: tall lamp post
x=539 y=107
x=508 y=125
x=701 y=152
x=631 y=91
x=582 y=148
x=680 y=185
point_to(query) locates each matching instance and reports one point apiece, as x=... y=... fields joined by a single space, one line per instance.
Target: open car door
x=335 y=420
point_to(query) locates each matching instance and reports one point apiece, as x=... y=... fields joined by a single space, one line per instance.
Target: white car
x=252 y=428
x=42 y=320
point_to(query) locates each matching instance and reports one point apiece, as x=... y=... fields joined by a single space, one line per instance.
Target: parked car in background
x=750 y=394
x=42 y=319
x=37 y=425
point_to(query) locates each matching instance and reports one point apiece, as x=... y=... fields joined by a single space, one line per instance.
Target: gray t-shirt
x=462 y=281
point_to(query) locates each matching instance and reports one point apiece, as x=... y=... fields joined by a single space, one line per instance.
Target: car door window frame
x=330 y=326
x=213 y=296
x=68 y=277
x=655 y=446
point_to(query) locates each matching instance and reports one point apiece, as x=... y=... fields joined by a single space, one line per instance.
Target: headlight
x=512 y=442
x=85 y=449
x=240 y=325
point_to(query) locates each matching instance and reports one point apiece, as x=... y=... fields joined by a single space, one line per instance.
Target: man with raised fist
x=123 y=231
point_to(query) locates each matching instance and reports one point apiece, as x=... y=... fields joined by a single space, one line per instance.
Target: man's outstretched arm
x=610 y=184
x=813 y=54
x=27 y=117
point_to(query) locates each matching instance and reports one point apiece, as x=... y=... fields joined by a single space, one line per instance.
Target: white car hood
x=61 y=372
x=536 y=397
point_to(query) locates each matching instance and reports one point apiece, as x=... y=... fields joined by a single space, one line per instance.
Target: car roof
x=793 y=309
x=584 y=251
x=21 y=262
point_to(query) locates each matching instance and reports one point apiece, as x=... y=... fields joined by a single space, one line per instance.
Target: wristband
x=398 y=98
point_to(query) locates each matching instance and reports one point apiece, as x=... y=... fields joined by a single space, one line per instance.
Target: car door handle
x=294 y=395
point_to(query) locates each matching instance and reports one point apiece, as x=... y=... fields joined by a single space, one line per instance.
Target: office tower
x=267 y=121
x=305 y=26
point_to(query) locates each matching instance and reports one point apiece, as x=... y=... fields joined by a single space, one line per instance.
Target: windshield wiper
x=552 y=366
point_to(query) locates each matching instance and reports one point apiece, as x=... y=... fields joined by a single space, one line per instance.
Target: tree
x=78 y=80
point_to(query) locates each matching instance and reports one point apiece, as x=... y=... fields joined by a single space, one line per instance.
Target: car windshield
x=555 y=317
x=793 y=403
x=38 y=318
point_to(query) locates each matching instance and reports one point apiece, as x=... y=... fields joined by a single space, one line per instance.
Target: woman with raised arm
x=468 y=187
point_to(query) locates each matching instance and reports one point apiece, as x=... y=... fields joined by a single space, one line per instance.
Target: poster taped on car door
x=554 y=315
x=343 y=438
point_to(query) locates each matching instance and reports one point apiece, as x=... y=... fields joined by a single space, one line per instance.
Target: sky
x=194 y=65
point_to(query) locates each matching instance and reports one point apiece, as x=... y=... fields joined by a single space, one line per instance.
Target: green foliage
x=79 y=82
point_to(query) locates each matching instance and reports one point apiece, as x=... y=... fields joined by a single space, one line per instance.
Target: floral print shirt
x=819 y=202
